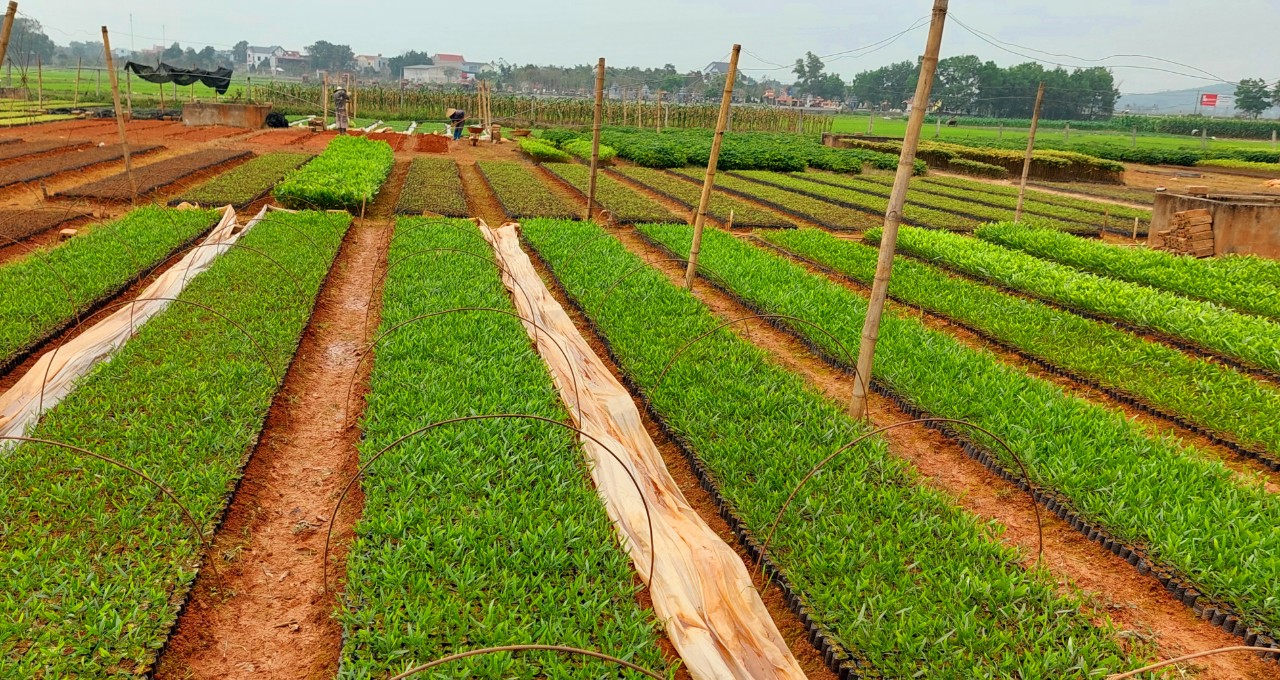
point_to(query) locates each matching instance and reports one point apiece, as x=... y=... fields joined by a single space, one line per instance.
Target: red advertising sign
x=1208 y=100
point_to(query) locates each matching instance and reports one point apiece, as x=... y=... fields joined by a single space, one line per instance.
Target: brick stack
x=1190 y=232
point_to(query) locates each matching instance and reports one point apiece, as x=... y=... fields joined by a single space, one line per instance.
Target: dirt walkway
x=269 y=616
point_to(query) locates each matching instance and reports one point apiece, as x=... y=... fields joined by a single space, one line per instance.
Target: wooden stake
x=1135 y=229
x=97 y=86
x=1031 y=145
x=1273 y=139
x=113 y=77
x=595 y=139
x=1204 y=137
x=324 y=101
x=1134 y=138
x=5 y=32
x=657 y=116
x=39 y=84
x=128 y=88
x=115 y=97
x=871 y=122
x=700 y=218
x=1000 y=132
x=1066 y=133
x=893 y=214
x=75 y=98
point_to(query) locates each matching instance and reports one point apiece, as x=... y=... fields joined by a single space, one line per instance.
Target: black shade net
x=218 y=79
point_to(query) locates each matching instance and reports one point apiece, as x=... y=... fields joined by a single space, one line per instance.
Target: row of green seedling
x=346 y=175
x=626 y=205
x=478 y=533
x=826 y=213
x=1097 y=207
x=1082 y=220
x=97 y=561
x=1245 y=283
x=720 y=206
x=521 y=193
x=841 y=208
x=433 y=185
x=244 y=184
x=1172 y=510
x=1211 y=398
x=1250 y=341
x=886 y=565
x=49 y=291
x=967 y=206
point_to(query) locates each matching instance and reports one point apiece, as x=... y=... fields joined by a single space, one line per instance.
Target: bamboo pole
x=595 y=139
x=657 y=114
x=700 y=218
x=75 y=98
x=39 y=84
x=324 y=101
x=893 y=214
x=128 y=88
x=115 y=97
x=1031 y=145
x=5 y=32
x=97 y=86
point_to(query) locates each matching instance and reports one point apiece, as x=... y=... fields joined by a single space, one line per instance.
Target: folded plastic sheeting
x=701 y=589
x=219 y=79
x=57 y=371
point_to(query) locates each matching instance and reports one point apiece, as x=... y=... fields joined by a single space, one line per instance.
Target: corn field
x=391 y=103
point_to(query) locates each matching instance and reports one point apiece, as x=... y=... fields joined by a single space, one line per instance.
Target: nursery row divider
x=115 y=96
x=595 y=138
x=898 y=199
x=1031 y=146
x=700 y=217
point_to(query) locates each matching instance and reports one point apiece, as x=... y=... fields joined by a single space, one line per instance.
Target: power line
x=997 y=44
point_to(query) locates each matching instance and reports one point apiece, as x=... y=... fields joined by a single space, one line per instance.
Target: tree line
x=966 y=85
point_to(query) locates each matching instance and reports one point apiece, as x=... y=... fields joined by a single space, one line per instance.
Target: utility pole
x=595 y=138
x=115 y=96
x=700 y=217
x=893 y=214
x=1031 y=145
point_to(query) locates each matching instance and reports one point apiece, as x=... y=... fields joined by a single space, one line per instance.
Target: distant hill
x=1173 y=102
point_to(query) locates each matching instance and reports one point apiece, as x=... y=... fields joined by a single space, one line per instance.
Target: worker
x=340 y=109
x=456 y=117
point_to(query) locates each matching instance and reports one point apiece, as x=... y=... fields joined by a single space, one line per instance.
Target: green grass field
x=896 y=127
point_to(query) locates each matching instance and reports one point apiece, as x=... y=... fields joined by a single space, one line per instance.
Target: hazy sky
x=1231 y=39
